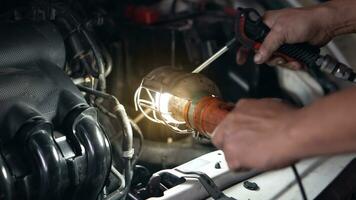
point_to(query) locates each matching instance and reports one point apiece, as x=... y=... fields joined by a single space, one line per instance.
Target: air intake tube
x=97 y=152
x=46 y=158
x=6 y=181
x=77 y=170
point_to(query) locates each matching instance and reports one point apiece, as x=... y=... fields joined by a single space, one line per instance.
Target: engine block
x=51 y=144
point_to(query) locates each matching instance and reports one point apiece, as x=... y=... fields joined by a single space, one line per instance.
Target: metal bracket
x=208 y=184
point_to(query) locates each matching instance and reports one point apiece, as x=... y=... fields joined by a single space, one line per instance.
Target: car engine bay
x=69 y=73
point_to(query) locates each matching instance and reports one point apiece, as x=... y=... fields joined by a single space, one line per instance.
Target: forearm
x=326 y=127
x=340 y=16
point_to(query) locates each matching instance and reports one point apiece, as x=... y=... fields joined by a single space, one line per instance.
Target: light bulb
x=171 y=108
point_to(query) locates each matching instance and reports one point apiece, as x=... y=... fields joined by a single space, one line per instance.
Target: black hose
x=120 y=113
x=136 y=129
x=97 y=150
x=99 y=60
x=128 y=179
x=174 y=7
x=134 y=126
x=6 y=181
x=67 y=13
x=78 y=50
x=50 y=166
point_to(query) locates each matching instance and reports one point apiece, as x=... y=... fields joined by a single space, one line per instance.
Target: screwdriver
x=217 y=55
x=250 y=33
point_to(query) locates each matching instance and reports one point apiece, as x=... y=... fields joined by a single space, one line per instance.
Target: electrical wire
x=120 y=113
x=99 y=58
x=140 y=139
x=134 y=126
x=108 y=61
x=120 y=177
x=299 y=182
x=67 y=14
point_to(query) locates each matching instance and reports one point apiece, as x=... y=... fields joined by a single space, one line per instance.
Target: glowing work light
x=185 y=102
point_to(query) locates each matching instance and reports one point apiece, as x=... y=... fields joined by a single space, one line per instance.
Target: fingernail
x=281 y=62
x=292 y=66
x=258 y=58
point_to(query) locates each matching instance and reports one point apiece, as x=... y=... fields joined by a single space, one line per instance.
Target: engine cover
x=51 y=145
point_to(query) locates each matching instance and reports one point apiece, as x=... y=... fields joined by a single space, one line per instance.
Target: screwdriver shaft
x=214 y=57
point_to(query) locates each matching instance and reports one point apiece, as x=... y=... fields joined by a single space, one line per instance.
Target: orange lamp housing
x=205 y=115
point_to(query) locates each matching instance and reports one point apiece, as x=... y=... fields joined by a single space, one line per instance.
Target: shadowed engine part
x=24 y=43
x=51 y=145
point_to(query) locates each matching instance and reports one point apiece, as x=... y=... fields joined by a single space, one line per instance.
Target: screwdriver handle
x=251 y=31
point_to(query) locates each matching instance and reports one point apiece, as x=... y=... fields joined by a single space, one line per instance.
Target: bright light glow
x=162 y=108
x=163 y=102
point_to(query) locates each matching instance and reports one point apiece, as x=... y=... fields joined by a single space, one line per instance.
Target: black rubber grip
x=303 y=53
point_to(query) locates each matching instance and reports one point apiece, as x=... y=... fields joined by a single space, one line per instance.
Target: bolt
x=251 y=186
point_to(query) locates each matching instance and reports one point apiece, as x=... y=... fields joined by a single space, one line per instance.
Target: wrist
x=300 y=144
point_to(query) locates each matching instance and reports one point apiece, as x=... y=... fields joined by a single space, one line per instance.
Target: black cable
x=99 y=58
x=174 y=7
x=66 y=13
x=299 y=182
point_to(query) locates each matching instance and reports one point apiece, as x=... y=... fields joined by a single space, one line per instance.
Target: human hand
x=293 y=25
x=255 y=135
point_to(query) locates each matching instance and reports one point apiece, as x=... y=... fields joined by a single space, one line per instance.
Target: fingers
x=273 y=40
x=222 y=137
x=294 y=65
x=276 y=61
x=241 y=56
x=253 y=134
x=228 y=125
x=271 y=44
x=218 y=136
x=279 y=61
x=277 y=37
x=231 y=157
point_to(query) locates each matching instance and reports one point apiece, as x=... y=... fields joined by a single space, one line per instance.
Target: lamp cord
x=299 y=182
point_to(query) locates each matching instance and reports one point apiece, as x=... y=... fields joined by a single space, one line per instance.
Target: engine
x=52 y=146
x=69 y=71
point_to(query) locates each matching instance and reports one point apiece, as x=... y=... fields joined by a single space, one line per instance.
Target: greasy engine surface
x=52 y=146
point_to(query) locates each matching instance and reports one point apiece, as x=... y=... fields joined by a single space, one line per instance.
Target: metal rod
x=214 y=57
